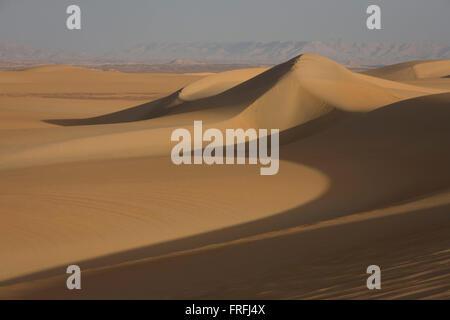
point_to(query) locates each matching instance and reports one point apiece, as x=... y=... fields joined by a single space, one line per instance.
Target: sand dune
x=363 y=180
x=66 y=91
x=305 y=88
x=413 y=70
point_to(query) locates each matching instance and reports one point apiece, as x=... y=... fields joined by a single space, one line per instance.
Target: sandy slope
x=413 y=70
x=363 y=181
x=32 y=95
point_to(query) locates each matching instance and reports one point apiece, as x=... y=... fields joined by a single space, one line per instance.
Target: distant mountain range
x=347 y=53
x=16 y=53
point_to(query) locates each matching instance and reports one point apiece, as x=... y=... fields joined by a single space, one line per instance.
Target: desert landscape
x=87 y=179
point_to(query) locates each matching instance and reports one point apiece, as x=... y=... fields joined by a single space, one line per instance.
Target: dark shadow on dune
x=329 y=261
x=376 y=159
x=448 y=77
x=241 y=95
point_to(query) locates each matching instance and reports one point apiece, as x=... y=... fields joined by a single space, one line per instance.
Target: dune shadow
x=376 y=159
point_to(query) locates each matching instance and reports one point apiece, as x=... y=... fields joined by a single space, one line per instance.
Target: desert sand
x=87 y=179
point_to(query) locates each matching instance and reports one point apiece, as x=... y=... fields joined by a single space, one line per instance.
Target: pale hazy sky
x=119 y=24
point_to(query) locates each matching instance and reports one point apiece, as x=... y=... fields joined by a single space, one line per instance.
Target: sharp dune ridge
x=363 y=179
